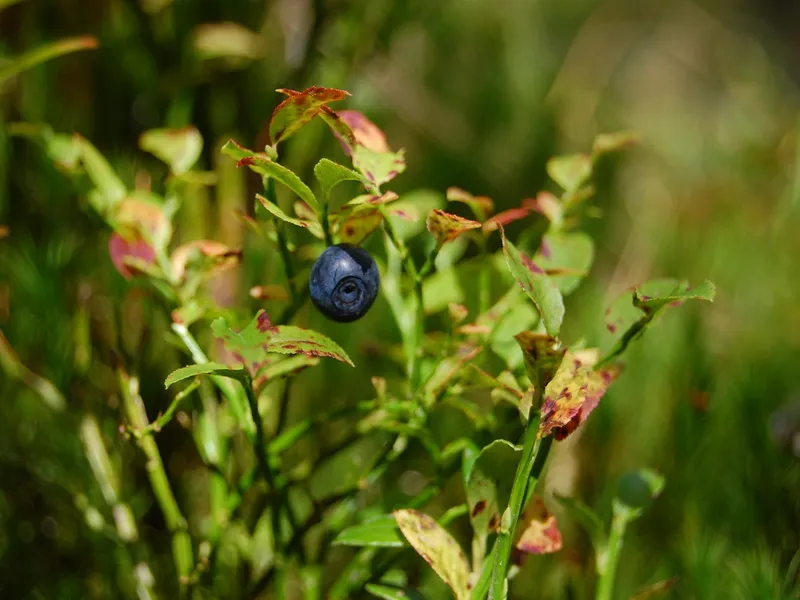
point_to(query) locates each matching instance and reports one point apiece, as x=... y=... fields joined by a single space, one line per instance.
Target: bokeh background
x=479 y=93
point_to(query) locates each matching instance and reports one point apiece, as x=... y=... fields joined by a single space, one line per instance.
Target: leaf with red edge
x=264 y=165
x=120 y=249
x=446 y=227
x=142 y=218
x=537 y=285
x=357 y=227
x=481 y=206
x=506 y=217
x=540 y=533
x=572 y=394
x=299 y=108
x=288 y=339
x=253 y=345
x=365 y=132
x=439 y=549
x=312 y=225
x=546 y=204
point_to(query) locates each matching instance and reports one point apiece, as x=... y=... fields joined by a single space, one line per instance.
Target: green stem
x=534 y=455
x=283 y=244
x=176 y=523
x=165 y=418
x=608 y=559
x=326 y=227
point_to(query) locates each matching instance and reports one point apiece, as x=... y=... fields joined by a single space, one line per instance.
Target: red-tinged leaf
x=250 y=346
x=537 y=285
x=214 y=257
x=288 y=339
x=548 y=205
x=341 y=130
x=457 y=312
x=357 y=227
x=119 y=248
x=366 y=200
x=481 y=206
x=300 y=108
x=438 y=548
x=365 y=132
x=540 y=533
x=408 y=213
x=570 y=171
x=378 y=167
x=446 y=227
x=136 y=217
x=178 y=148
x=572 y=394
x=504 y=218
x=269 y=292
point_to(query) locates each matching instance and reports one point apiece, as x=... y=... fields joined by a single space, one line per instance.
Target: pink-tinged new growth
x=446 y=227
x=481 y=206
x=299 y=108
x=505 y=218
x=574 y=392
x=119 y=248
x=539 y=533
x=365 y=132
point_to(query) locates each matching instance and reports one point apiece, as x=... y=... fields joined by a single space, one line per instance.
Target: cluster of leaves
x=551 y=387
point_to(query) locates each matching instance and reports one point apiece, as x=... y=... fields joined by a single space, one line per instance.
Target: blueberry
x=344 y=282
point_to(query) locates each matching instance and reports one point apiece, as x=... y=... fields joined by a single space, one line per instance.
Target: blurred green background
x=479 y=93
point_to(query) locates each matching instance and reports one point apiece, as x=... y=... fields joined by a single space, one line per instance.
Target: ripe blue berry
x=344 y=282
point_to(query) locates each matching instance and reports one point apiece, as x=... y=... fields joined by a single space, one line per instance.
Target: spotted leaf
x=300 y=108
x=378 y=167
x=539 y=533
x=572 y=394
x=446 y=227
x=434 y=544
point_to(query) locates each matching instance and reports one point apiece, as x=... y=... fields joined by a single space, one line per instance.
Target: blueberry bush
x=396 y=488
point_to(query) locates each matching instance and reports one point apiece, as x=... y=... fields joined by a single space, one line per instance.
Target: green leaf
x=178 y=148
x=209 y=368
x=537 y=285
x=381 y=532
x=264 y=165
x=226 y=40
x=378 y=167
x=636 y=310
x=587 y=518
x=300 y=108
x=566 y=258
x=44 y=53
x=109 y=186
x=446 y=227
x=393 y=593
x=489 y=483
x=570 y=171
x=276 y=211
x=612 y=142
x=330 y=174
x=572 y=394
x=438 y=548
x=289 y=339
x=346 y=469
